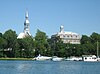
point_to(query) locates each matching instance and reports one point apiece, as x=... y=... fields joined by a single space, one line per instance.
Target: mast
x=97 y=49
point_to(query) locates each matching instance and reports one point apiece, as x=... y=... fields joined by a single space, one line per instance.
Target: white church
x=26 y=31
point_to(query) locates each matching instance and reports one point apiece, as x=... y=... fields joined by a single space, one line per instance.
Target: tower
x=26 y=31
x=61 y=29
x=26 y=24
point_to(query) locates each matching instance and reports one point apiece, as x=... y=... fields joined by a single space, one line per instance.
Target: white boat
x=74 y=58
x=40 y=58
x=91 y=58
x=55 y=58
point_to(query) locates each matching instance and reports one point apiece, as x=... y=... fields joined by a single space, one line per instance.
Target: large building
x=26 y=31
x=67 y=37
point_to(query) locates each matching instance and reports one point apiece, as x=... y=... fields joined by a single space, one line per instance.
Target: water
x=49 y=67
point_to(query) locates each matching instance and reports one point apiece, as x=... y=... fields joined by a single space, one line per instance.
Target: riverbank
x=16 y=59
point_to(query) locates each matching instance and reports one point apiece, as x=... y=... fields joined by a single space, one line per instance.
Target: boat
x=55 y=58
x=40 y=58
x=98 y=58
x=91 y=58
x=73 y=58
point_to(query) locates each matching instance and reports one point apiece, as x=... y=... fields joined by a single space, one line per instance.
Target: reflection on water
x=23 y=68
x=49 y=67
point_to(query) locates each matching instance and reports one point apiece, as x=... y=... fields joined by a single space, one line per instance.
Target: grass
x=16 y=59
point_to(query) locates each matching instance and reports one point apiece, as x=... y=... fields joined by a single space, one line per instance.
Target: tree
x=20 y=48
x=0 y=34
x=60 y=49
x=2 y=42
x=88 y=49
x=95 y=37
x=41 y=43
x=11 y=39
x=85 y=39
x=2 y=46
x=28 y=46
x=89 y=43
x=57 y=46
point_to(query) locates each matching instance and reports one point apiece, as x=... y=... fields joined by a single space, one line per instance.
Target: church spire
x=26 y=14
x=61 y=29
x=26 y=31
x=26 y=24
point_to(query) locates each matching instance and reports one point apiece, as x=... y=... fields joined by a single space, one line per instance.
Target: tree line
x=30 y=47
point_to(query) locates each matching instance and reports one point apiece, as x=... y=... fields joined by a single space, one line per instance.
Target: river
x=49 y=67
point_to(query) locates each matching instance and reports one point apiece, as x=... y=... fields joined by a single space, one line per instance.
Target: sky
x=79 y=16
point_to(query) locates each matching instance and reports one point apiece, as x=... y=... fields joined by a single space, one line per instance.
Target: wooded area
x=29 y=47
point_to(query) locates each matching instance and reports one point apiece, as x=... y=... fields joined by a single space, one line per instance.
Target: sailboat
x=92 y=57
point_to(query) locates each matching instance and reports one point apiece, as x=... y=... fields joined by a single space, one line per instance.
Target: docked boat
x=74 y=58
x=40 y=58
x=91 y=58
x=55 y=58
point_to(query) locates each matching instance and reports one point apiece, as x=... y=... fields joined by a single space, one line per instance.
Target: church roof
x=71 y=33
x=21 y=35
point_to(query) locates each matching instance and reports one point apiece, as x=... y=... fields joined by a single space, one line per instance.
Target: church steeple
x=26 y=24
x=26 y=14
x=61 y=29
x=26 y=31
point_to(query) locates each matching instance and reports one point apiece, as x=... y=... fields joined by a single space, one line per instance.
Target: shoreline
x=17 y=59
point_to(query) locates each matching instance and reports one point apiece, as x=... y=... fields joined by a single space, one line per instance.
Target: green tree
x=28 y=47
x=11 y=39
x=60 y=47
x=95 y=37
x=57 y=46
x=2 y=43
x=85 y=39
x=0 y=34
x=2 y=46
x=20 y=48
x=41 y=43
x=88 y=49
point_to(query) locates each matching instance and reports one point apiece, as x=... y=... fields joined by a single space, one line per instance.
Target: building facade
x=67 y=37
